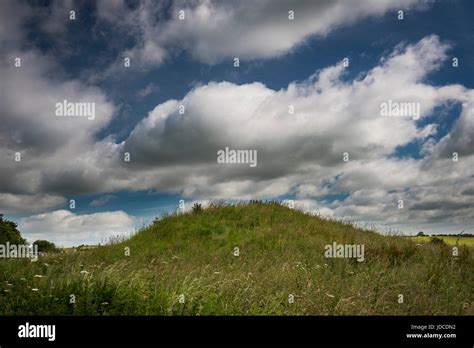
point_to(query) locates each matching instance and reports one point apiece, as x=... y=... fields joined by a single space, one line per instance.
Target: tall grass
x=185 y=265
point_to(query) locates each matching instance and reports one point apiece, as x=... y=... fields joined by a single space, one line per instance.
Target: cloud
x=102 y=200
x=310 y=206
x=332 y=116
x=147 y=90
x=65 y=228
x=49 y=147
x=460 y=139
x=213 y=31
x=10 y=203
x=10 y=32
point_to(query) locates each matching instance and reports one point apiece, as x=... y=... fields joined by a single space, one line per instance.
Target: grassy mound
x=187 y=265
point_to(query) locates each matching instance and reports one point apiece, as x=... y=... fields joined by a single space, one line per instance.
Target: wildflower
x=23 y=279
x=34 y=289
x=38 y=276
x=329 y=295
x=6 y=290
x=84 y=272
x=104 y=303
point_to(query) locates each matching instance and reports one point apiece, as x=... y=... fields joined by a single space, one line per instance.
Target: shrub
x=197 y=208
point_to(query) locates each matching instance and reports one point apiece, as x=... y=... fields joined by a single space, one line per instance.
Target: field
x=451 y=240
x=247 y=259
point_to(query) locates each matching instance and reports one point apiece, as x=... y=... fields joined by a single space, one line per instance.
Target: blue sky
x=185 y=62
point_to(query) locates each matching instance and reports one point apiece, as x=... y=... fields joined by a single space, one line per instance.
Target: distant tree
x=421 y=234
x=44 y=246
x=9 y=232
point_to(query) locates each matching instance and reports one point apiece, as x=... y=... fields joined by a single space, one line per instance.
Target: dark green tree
x=44 y=246
x=9 y=232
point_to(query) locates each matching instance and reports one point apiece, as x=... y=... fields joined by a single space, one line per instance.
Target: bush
x=197 y=208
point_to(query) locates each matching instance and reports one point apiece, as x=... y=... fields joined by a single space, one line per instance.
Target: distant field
x=76 y=249
x=451 y=240
x=188 y=265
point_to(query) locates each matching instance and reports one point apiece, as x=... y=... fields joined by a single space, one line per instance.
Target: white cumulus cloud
x=65 y=228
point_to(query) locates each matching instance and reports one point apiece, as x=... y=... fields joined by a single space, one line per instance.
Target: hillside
x=188 y=264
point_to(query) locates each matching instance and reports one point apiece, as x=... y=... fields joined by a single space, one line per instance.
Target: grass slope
x=281 y=253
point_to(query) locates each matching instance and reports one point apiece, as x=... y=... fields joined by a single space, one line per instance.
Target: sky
x=316 y=93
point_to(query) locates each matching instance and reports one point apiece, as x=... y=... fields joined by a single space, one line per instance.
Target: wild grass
x=184 y=264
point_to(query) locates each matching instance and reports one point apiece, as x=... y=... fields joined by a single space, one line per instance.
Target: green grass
x=281 y=253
